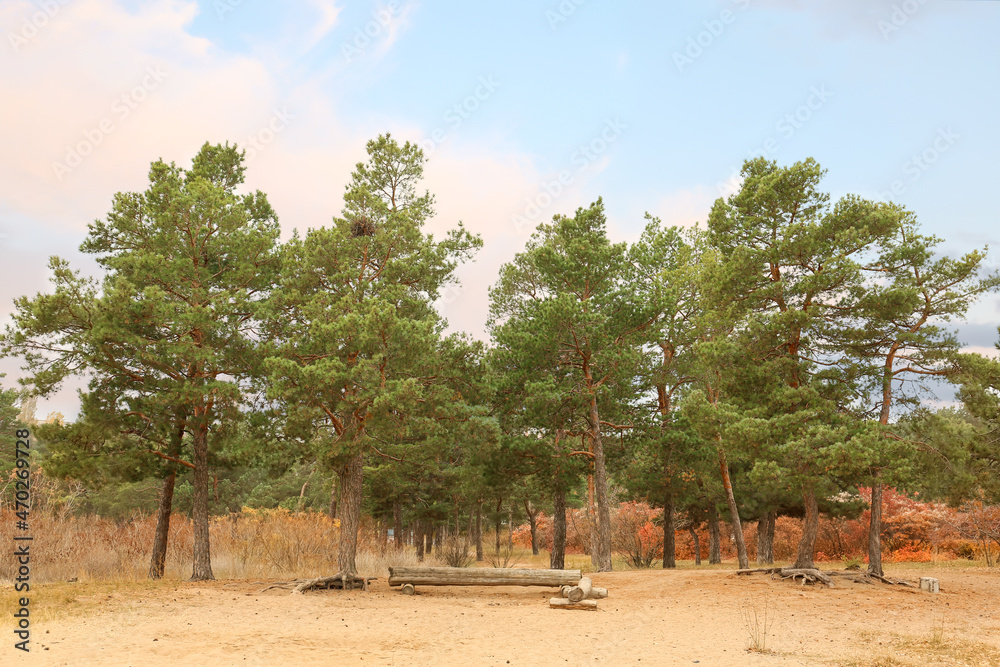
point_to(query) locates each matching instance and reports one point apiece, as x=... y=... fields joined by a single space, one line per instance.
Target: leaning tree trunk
x=158 y=561
x=765 y=538
x=557 y=557
x=810 y=529
x=351 y=480
x=714 y=541
x=479 y=531
x=875 y=532
x=669 y=541
x=741 y=547
x=603 y=552
x=199 y=510
x=696 y=544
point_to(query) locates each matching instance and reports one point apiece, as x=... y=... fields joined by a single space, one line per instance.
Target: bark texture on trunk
x=696 y=544
x=158 y=562
x=479 y=531
x=741 y=547
x=669 y=541
x=875 y=533
x=765 y=538
x=498 y=524
x=532 y=513
x=810 y=529
x=557 y=556
x=351 y=481
x=714 y=542
x=603 y=555
x=199 y=511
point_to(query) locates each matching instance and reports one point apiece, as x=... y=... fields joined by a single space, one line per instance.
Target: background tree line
x=762 y=365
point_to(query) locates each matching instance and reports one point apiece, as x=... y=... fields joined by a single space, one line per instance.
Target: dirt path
x=680 y=617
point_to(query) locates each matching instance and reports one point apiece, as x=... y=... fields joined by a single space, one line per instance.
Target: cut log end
x=408 y=589
x=581 y=591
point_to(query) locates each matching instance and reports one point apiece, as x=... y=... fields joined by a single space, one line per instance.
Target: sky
x=524 y=110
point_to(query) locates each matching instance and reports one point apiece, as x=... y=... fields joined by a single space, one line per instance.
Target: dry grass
x=257 y=544
x=936 y=649
x=757 y=614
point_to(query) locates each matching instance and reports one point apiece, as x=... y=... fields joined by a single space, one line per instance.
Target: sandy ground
x=655 y=617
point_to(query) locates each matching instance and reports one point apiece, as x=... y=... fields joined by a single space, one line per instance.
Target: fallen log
x=565 y=603
x=581 y=591
x=596 y=592
x=481 y=576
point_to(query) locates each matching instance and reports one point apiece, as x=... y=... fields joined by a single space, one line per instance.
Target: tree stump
x=930 y=584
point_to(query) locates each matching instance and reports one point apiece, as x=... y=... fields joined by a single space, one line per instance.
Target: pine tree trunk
x=510 y=525
x=199 y=511
x=875 y=533
x=418 y=539
x=810 y=529
x=533 y=525
x=696 y=546
x=351 y=481
x=158 y=561
x=498 y=524
x=557 y=556
x=765 y=538
x=669 y=539
x=600 y=492
x=714 y=541
x=479 y=531
x=397 y=525
x=741 y=547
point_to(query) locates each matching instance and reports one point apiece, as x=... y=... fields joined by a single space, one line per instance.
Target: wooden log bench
x=409 y=577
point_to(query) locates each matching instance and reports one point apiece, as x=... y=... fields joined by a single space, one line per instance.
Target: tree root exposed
x=810 y=575
x=339 y=581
